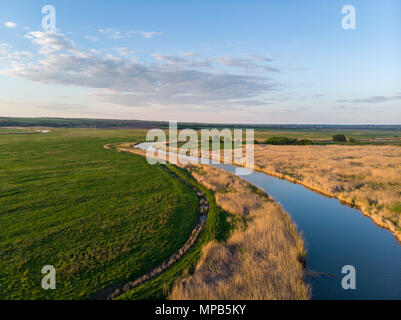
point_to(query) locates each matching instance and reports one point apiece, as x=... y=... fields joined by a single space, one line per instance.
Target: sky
x=209 y=61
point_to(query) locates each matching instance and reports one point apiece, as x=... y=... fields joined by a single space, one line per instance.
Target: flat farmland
x=99 y=217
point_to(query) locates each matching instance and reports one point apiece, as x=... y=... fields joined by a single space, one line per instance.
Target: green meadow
x=326 y=135
x=98 y=216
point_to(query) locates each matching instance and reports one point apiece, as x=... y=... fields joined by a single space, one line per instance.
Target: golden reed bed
x=366 y=176
x=261 y=260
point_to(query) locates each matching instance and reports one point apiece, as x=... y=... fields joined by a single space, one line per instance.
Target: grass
x=102 y=217
x=99 y=217
x=396 y=207
x=14 y=130
x=326 y=133
x=216 y=228
x=249 y=250
x=309 y=136
x=325 y=136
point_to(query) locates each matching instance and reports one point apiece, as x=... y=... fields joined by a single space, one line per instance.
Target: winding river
x=335 y=235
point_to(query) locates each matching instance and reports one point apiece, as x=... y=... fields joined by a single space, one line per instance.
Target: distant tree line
x=287 y=141
x=343 y=138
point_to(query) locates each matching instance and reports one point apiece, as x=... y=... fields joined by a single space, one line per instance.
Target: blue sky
x=211 y=61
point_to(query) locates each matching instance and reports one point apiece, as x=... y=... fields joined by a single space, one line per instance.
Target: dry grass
x=368 y=176
x=261 y=261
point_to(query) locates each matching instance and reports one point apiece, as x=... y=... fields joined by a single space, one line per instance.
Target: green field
x=326 y=135
x=98 y=216
x=14 y=130
x=217 y=228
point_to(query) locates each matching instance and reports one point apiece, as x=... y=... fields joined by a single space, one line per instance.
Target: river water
x=336 y=235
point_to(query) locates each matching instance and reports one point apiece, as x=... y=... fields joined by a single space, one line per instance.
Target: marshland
x=262 y=239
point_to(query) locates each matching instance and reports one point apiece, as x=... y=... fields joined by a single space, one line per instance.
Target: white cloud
x=53 y=42
x=93 y=39
x=8 y=53
x=251 y=63
x=10 y=24
x=373 y=99
x=187 y=59
x=62 y=106
x=247 y=63
x=130 y=83
x=124 y=52
x=50 y=42
x=115 y=34
x=145 y=34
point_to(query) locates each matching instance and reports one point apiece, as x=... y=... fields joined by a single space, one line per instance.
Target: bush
x=280 y=141
x=304 y=142
x=352 y=140
x=396 y=207
x=339 y=138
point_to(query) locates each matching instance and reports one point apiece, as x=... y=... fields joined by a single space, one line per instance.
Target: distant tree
x=339 y=138
x=304 y=142
x=352 y=140
x=281 y=141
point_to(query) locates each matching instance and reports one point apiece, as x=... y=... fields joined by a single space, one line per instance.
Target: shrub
x=280 y=141
x=396 y=207
x=304 y=142
x=339 y=138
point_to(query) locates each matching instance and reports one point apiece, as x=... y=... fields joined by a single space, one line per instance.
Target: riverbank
x=337 y=235
x=157 y=283
x=263 y=257
x=365 y=177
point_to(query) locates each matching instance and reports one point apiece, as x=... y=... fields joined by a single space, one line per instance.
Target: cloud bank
x=10 y=24
x=181 y=80
x=373 y=99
